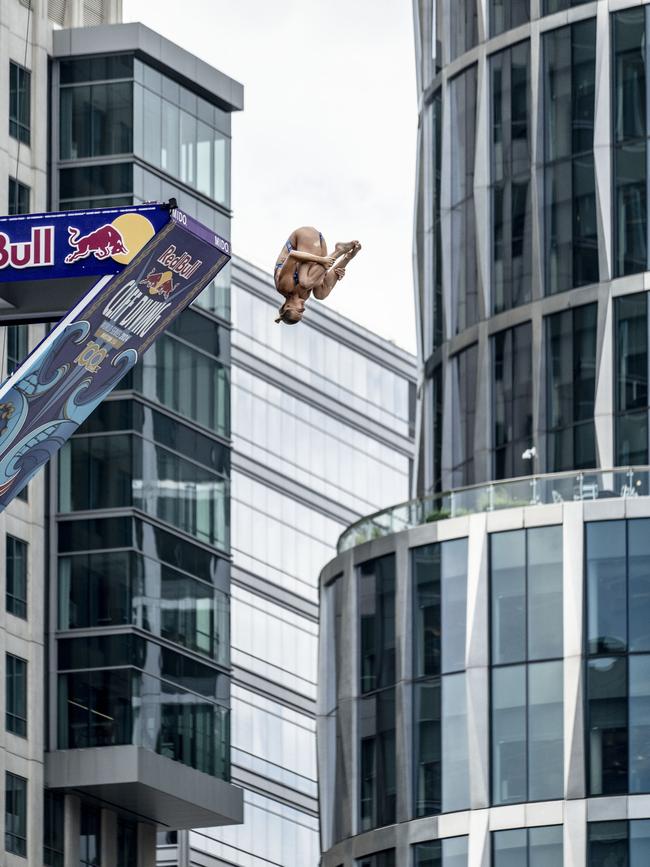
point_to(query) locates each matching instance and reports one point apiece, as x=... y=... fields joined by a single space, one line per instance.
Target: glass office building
x=117 y=559
x=311 y=453
x=485 y=693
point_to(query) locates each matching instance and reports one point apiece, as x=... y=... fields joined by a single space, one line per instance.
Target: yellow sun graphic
x=136 y=230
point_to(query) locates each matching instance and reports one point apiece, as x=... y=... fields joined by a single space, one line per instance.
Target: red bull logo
x=159 y=283
x=180 y=263
x=101 y=243
x=39 y=250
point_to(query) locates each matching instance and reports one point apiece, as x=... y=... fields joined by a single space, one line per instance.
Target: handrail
x=618 y=482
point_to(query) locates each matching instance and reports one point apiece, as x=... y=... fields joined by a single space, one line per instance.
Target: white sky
x=327 y=136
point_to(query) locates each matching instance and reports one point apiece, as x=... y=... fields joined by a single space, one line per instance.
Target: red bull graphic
x=159 y=283
x=103 y=242
x=180 y=263
x=35 y=253
x=107 y=331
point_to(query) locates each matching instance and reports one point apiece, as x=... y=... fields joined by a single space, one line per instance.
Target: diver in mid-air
x=304 y=266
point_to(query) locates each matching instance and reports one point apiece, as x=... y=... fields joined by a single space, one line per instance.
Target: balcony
x=620 y=482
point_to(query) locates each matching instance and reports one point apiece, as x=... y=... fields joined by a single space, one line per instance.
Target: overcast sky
x=327 y=136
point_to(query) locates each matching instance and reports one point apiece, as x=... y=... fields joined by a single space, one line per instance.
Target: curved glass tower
x=485 y=648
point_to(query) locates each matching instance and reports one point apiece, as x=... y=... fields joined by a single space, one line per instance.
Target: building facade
x=483 y=698
x=323 y=430
x=117 y=562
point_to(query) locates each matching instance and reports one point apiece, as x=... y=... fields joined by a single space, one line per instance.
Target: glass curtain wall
x=464 y=274
x=527 y=670
x=631 y=379
x=571 y=238
x=618 y=646
x=629 y=36
x=440 y=704
x=510 y=165
x=619 y=844
x=512 y=400
x=178 y=708
x=571 y=384
x=528 y=847
x=378 y=784
x=465 y=382
x=506 y=14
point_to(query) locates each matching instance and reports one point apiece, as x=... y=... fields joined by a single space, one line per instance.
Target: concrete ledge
x=158 y=789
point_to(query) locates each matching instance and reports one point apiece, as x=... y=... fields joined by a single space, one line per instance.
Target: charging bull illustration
x=101 y=243
x=159 y=283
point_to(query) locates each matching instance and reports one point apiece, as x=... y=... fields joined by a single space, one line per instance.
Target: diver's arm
x=326 y=261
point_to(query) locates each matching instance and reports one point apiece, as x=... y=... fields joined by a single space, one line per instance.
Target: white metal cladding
x=576 y=809
x=540 y=305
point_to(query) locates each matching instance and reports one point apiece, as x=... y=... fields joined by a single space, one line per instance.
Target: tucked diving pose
x=304 y=266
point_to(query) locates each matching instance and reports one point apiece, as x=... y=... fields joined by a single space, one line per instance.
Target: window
x=15 y=814
x=571 y=238
x=19 y=102
x=450 y=852
x=53 y=829
x=551 y=6
x=379 y=859
x=90 y=836
x=440 y=704
x=127 y=843
x=571 y=388
x=465 y=382
x=464 y=27
x=506 y=14
x=631 y=389
x=629 y=29
x=527 y=701
x=377 y=626
x=16 y=695
x=438 y=307
x=512 y=399
x=619 y=844
x=378 y=790
x=618 y=644
x=464 y=273
x=16 y=591
x=18 y=197
x=96 y=120
x=17 y=346
x=510 y=163
x=528 y=847
x=378 y=784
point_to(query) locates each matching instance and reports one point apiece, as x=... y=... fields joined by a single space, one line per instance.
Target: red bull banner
x=149 y=274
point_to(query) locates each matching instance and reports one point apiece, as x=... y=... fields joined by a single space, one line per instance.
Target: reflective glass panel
x=428 y=762
x=606 y=587
x=607 y=719
x=455 y=763
x=15 y=814
x=608 y=844
x=508 y=592
x=545 y=731
x=509 y=762
x=631 y=394
x=639 y=723
x=378 y=785
x=545 y=610
x=377 y=627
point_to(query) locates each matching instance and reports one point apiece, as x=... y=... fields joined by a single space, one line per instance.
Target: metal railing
x=620 y=482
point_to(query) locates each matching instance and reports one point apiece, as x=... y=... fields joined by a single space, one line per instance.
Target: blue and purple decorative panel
x=150 y=271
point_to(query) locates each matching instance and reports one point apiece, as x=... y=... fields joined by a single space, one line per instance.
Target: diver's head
x=291 y=311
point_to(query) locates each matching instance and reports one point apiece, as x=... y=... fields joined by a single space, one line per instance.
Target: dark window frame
x=15 y=789
x=20 y=102
x=16 y=598
x=16 y=703
x=18 y=198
